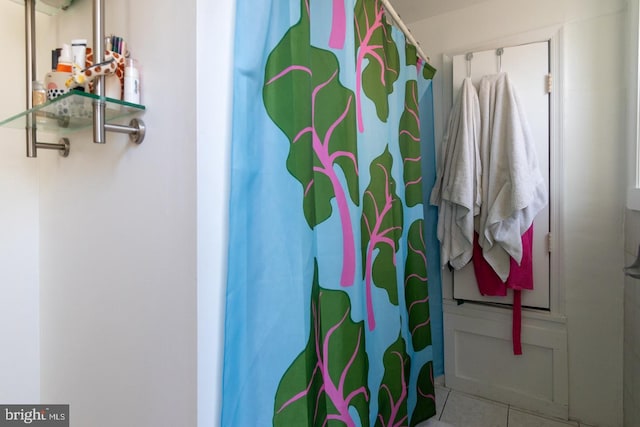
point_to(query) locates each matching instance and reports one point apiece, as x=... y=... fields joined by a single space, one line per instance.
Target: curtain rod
x=403 y=27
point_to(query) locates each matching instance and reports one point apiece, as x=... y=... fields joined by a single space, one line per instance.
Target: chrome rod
x=63 y=147
x=99 y=132
x=50 y=146
x=30 y=72
x=403 y=27
x=119 y=128
x=136 y=130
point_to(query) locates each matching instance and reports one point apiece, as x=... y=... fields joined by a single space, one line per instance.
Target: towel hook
x=499 y=53
x=469 y=57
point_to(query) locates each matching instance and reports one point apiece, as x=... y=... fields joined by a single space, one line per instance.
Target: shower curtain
x=327 y=311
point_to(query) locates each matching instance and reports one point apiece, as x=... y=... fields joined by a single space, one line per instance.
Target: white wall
x=631 y=324
x=214 y=80
x=19 y=319
x=118 y=239
x=592 y=181
x=19 y=304
x=632 y=240
x=98 y=265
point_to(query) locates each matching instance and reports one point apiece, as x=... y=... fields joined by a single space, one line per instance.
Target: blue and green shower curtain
x=327 y=315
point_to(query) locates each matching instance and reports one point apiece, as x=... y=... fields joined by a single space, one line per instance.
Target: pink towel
x=520 y=277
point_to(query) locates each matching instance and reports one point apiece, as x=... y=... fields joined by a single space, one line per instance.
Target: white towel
x=457 y=188
x=513 y=189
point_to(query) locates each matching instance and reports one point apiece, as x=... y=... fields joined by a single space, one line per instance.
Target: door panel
x=528 y=67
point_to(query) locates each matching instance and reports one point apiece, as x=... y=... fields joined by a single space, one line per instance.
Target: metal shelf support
x=30 y=71
x=63 y=146
x=135 y=129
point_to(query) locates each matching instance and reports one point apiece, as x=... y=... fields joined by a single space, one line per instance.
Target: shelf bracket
x=33 y=145
x=30 y=70
x=99 y=122
x=63 y=146
x=136 y=130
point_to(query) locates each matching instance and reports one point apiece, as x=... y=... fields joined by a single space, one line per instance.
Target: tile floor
x=455 y=409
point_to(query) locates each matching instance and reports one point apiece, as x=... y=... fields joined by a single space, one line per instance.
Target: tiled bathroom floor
x=455 y=409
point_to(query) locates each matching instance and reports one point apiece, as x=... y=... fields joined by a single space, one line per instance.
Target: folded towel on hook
x=513 y=188
x=457 y=188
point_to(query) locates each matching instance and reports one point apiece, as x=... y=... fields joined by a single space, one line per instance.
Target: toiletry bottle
x=55 y=80
x=65 y=60
x=79 y=52
x=131 y=82
x=112 y=87
x=39 y=97
x=55 y=54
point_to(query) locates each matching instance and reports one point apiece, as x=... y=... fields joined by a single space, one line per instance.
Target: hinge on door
x=549 y=240
x=549 y=83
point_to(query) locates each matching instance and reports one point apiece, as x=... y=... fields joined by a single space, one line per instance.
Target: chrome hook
x=469 y=57
x=499 y=53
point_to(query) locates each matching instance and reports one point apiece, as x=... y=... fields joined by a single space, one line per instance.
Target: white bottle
x=112 y=87
x=131 y=82
x=79 y=52
x=66 y=58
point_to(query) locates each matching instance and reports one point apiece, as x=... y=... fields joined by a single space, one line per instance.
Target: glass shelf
x=49 y=7
x=70 y=112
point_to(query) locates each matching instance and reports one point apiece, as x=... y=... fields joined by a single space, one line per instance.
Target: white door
x=528 y=67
